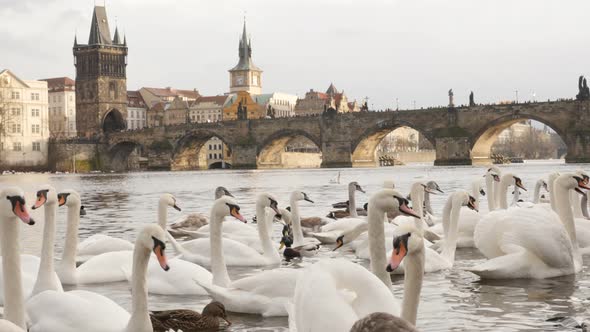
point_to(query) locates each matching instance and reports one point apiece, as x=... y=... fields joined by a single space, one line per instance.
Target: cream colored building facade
x=24 y=122
x=283 y=104
x=61 y=107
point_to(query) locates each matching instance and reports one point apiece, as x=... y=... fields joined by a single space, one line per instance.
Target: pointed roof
x=332 y=89
x=99 y=29
x=245 y=53
x=116 y=39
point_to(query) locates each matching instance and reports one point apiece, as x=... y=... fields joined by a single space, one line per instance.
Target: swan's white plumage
x=332 y=294
x=99 y=244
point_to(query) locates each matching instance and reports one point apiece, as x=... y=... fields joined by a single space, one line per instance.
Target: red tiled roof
x=134 y=99
x=57 y=84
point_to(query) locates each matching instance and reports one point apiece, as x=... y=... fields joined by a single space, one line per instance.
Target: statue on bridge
x=242 y=111
x=583 y=90
x=471 y=101
x=270 y=112
x=451 y=104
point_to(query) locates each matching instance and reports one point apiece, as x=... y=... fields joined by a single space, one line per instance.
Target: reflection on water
x=117 y=204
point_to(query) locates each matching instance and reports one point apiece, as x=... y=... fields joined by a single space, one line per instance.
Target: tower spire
x=116 y=39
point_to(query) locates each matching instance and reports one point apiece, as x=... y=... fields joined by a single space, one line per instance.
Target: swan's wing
x=192 y=222
x=540 y=233
x=73 y=311
x=237 y=300
x=343 y=224
x=175 y=281
x=107 y=267
x=98 y=244
x=270 y=283
x=489 y=231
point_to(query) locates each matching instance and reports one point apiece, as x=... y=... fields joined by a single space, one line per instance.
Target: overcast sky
x=411 y=50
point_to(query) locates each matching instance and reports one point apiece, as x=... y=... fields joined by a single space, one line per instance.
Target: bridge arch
x=485 y=137
x=199 y=150
x=364 y=148
x=303 y=150
x=113 y=121
x=125 y=156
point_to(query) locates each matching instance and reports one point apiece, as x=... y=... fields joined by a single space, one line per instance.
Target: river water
x=117 y=204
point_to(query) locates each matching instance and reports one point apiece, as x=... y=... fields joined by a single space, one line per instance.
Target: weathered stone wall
x=80 y=157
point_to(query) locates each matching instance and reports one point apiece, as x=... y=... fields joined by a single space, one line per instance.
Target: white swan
x=468 y=219
x=107 y=267
x=99 y=243
x=332 y=294
x=195 y=221
x=37 y=274
x=79 y=310
x=159 y=282
x=199 y=251
x=12 y=208
x=262 y=293
x=531 y=242
x=451 y=212
x=351 y=210
x=298 y=239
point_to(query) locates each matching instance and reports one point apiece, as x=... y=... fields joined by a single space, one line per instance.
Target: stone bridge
x=460 y=135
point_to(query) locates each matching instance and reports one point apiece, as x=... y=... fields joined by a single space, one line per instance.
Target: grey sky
x=411 y=50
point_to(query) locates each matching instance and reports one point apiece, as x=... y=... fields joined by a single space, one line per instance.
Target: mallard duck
x=306 y=250
x=188 y=320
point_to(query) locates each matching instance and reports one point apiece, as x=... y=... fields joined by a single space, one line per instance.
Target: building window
x=34 y=96
x=15 y=112
x=35 y=129
x=36 y=146
x=210 y=156
x=15 y=128
x=35 y=112
x=15 y=95
x=16 y=146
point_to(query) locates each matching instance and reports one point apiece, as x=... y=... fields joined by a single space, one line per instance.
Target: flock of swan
x=540 y=239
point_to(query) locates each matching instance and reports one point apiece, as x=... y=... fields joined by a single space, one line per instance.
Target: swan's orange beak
x=41 y=199
x=61 y=199
x=21 y=212
x=159 y=251
x=400 y=250
x=236 y=214
x=397 y=256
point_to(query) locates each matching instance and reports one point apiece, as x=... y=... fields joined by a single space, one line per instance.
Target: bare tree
x=6 y=118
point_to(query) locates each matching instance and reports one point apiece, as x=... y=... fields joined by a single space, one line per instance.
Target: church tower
x=101 y=79
x=245 y=76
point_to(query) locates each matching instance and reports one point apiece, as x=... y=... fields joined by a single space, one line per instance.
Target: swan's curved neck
x=377 y=244
x=498 y=194
x=504 y=184
x=417 y=196
x=552 y=197
x=11 y=271
x=140 y=318
x=584 y=203
x=218 y=267
x=414 y=274
x=268 y=249
x=352 y=201
x=537 y=194
x=491 y=192
x=296 y=222
x=576 y=205
x=46 y=279
x=427 y=204
x=475 y=188
x=68 y=260
x=452 y=210
x=163 y=215
x=564 y=210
